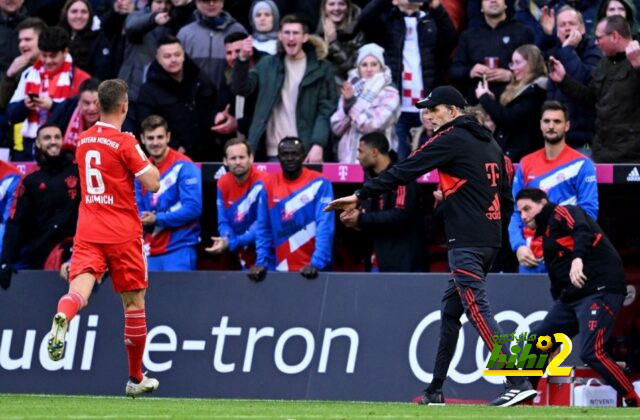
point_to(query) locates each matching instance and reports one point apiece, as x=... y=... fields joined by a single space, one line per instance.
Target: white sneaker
x=145 y=385
x=56 y=343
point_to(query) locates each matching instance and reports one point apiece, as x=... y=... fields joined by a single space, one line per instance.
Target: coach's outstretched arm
x=437 y=152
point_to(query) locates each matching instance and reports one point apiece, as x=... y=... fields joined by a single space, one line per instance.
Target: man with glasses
x=613 y=90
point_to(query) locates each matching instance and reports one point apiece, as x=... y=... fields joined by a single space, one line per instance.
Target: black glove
x=257 y=273
x=6 y=271
x=309 y=272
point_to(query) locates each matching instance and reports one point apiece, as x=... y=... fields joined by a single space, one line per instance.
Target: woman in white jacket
x=368 y=102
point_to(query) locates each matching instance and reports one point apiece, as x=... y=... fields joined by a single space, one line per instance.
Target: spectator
x=613 y=90
x=9 y=179
x=579 y=54
x=237 y=204
x=170 y=215
x=517 y=113
x=540 y=16
x=112 y=21
x=338 y=26
x=28 y=33
x=237 y=113
x=423 y=133
x=475 y=14
x=417 y=47
x=296 y=92
x=46 y=207
x=485 y=51
x=78 y=113
x=624 y=8
x=264 y=18
x=143 y=29
x=567 y=176
x=180 y=93
x=12 y=12
x=369 y=102
x=203 y=40
x=395 y=220
x=89 y=47
x=294 y=234
x=52 y=79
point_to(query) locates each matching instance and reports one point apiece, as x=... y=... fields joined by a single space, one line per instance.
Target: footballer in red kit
x=109 y=232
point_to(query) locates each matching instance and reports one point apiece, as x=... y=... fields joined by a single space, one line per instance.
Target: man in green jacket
x=613 y=89
x=296 y=92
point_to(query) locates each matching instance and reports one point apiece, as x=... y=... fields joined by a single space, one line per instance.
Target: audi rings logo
x=481 y=353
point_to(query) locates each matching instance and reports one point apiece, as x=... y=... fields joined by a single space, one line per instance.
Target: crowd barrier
x=217 y=334
x=352 y=173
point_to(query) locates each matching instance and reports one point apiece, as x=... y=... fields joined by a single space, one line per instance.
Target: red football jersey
x=108 y=161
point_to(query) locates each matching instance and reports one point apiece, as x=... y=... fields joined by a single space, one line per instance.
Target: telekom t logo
x=493 y=174
x=343 y=171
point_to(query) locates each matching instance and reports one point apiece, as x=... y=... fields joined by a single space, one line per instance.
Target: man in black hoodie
x=395 y=221
x=46 y=207
x=485 y=51
x=474 y=180
x=587 y=282
x=179 y=92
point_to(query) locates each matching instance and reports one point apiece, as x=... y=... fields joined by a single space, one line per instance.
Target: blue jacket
x=293 y=229
x=568 y=179
x=237 y=207
x=178 y=205
x=9 y=179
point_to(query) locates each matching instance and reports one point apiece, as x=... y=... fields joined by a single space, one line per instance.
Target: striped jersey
x=177 y=204
x=237 y=206
x=293 y=231
x=569 y=179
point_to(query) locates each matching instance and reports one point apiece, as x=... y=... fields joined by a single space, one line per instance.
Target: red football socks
x=135 y=337
x=70 y=304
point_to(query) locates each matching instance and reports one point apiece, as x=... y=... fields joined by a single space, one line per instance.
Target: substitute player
x=587 y=281
x=109 y=233
x=477 y=197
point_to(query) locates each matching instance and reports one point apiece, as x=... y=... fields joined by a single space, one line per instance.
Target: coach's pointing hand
x=345 y=203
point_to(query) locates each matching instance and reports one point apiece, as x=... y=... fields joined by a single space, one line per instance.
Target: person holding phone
x=52 y=79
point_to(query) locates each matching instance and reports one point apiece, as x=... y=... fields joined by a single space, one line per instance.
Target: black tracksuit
x=475 y=182
x=472 y=177
x=45 y=213
x=569 y=233
x=395 y=223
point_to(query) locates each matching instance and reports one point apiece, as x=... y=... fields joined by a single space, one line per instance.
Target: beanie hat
x=373 y=50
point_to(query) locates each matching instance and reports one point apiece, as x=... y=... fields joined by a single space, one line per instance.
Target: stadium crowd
x=304 y=82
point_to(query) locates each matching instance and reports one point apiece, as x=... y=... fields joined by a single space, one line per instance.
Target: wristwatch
x=359 y=194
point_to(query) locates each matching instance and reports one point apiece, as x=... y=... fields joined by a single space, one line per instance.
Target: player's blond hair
x=112 y=93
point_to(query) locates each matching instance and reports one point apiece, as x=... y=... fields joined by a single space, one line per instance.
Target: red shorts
x=126 y=262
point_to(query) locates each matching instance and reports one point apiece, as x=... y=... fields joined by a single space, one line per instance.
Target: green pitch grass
x=82 y=407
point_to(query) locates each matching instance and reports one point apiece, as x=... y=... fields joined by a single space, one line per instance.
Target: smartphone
x=550 y=66
x=33 y=96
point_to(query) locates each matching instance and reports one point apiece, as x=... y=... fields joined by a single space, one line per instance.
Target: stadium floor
x=21 y=406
